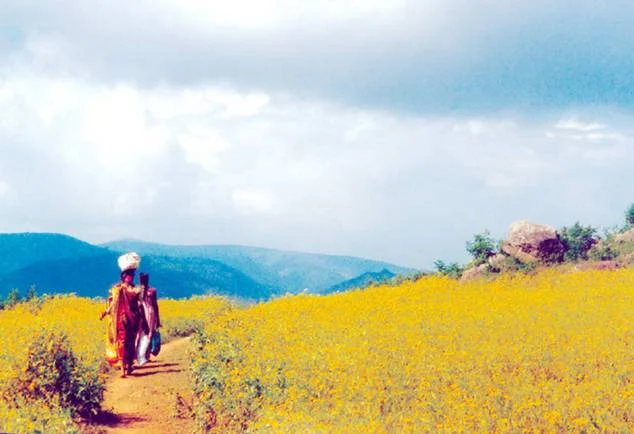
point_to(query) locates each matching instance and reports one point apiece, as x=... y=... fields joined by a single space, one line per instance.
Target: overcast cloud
x=386 y=129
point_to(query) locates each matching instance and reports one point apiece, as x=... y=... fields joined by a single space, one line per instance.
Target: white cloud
x=266 y=14
x=595 y=142
x=213 y=162
x=576 y=125
x=4 y=189
x=423 y=56
x=253 y=201
x=203 y=146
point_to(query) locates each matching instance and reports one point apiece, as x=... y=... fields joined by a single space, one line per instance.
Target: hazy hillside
x=362 y=281
x=88 y=276
x=174 y=277
x=287 y=270
x=56 y=263
x=20 y=250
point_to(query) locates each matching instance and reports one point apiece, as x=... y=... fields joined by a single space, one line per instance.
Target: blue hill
x=57 y=263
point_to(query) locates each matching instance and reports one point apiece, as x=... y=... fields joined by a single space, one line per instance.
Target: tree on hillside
x=31 y=293
x=452 y=270
x=629 y=216
x=578 y=240
x=481 y=248
x=12 y=299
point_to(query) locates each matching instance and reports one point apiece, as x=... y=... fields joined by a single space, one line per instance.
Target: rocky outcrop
x=474 y=273
x=627 y=260
x=497 y=261
x=530 y=242
x=625 y=237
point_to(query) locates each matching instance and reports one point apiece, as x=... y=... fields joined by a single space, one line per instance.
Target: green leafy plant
x=453 y=270
x=12 y=299
x=578 y=240
x=54 y=374
x=629 y=216
x=181 y=327
x=482 y=247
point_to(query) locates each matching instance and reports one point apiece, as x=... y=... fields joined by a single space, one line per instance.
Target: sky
x=386 y=129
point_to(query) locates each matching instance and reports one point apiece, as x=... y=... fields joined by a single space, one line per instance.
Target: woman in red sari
x=124 y=316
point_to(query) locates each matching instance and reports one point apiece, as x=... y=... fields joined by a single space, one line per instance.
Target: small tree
x=578 y=240
x=31 y=293
x=629 y=216
x=13 y=298
x=481 y=248
x=452 y=270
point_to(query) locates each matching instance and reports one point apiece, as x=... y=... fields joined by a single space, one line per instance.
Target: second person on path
x=149 y=303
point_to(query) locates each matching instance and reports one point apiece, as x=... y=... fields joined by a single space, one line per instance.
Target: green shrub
x=629 y=216
x=180 y=327
x=481 y=248
x=54 y=375
x=11 y=300
x=578 y=240
x=223 y=405
x=452 y=270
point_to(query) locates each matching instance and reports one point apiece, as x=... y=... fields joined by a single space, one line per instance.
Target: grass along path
x=154 y=399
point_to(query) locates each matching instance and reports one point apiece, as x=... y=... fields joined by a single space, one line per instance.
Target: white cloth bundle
x=129 y=261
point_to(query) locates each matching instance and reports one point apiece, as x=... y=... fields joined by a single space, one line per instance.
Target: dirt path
x=155 y=398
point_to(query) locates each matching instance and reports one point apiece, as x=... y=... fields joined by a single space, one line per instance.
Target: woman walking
x=123 y=311
x=152 y=320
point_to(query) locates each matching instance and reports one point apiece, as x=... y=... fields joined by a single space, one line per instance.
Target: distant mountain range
x=56 y=263
x=363 y=280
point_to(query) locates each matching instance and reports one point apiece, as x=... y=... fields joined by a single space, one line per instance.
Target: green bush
x=180 y=327
x=54 y=374
x=11 y=300
x=481 y=248
x=452 y=270
x=578 y=240
x=629 y=216
x=223 y=405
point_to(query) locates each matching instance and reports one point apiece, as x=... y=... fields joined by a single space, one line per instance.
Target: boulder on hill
x=531 y=242
x=625 y=237
x=627 y=260
x=474 y=273
x=497 y=261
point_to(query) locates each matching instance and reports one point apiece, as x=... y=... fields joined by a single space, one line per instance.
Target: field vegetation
x=51 y=352
x=526 y=348
x=550 y=352
x=528 y=353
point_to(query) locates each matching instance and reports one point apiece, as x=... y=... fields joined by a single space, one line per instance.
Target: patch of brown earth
x=155 y=398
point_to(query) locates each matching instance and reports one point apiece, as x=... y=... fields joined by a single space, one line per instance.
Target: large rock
x=530 y=242
x=474 y=273
x=625 y=237
x=497 y=261
x=627 y=260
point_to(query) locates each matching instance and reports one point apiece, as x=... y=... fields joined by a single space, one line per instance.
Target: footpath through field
x=154 y=399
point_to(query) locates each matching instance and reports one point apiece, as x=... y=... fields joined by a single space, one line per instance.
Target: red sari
x=123 y=324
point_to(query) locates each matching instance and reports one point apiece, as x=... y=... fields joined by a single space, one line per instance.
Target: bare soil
x=155 y=398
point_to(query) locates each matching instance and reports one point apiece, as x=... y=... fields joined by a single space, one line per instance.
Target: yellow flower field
x=39 y=339
x=547 y=353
